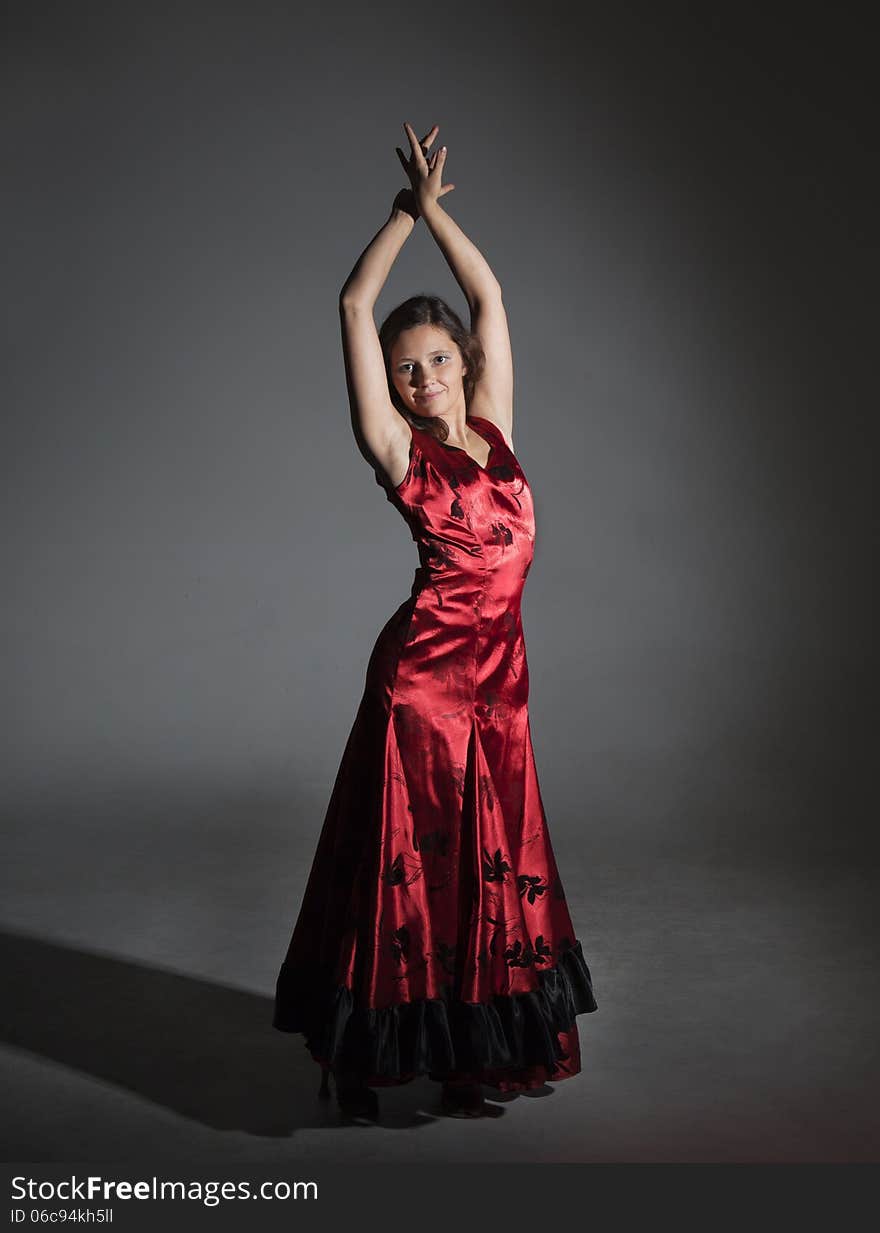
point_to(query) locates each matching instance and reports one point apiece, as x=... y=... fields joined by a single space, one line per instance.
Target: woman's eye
x=406 y=366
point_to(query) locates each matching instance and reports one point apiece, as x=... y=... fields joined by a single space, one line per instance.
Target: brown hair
x=431 y=310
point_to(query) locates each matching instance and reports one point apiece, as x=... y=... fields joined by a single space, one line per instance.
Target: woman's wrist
x=429 y=205
x=402 y=217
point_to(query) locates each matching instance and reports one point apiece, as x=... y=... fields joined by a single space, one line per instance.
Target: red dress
x=434 y=935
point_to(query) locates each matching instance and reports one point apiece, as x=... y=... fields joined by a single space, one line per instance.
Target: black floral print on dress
x=445 y=955
x=501 y=534
x=495 y=867
x=400 y=944
x=504 y=472
x=530 y=887
x=432 y=841
x=520 y=956
x=397 y=873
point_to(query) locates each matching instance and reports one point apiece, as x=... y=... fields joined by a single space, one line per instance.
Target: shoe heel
x=356 y=1100
x=462 y=1100
x=324 y=1089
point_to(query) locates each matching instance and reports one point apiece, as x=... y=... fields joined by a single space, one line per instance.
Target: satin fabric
x=434 y=889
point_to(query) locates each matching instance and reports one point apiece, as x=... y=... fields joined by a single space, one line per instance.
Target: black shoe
x=353 y=1096
x=462 y=1100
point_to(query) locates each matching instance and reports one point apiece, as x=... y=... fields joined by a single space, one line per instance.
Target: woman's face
x=427 y=369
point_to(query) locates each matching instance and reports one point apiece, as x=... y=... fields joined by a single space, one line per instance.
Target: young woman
x=434 y=936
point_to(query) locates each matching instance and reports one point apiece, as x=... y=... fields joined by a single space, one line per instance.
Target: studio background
x=197 y=559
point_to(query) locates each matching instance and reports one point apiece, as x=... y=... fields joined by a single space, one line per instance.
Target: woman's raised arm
x=376 y=422
x=493 y=395
x=381 y=431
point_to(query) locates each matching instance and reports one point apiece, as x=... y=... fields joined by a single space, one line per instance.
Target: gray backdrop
x=198 y=560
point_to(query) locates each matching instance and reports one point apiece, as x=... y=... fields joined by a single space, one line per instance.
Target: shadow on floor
x=202 y=1050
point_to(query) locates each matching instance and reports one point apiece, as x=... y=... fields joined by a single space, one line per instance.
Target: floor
x=737 y=1021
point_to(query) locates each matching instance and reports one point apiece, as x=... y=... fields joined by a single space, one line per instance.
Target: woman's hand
x=405 y=200
x=424 y=176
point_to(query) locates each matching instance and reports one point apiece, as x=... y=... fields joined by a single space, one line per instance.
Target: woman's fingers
x=438 y=161
x=414 y=145
x=420 y=162
x=418 y=152
x=428 y=139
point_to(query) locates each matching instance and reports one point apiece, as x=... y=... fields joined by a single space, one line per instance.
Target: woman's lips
x=423 y=397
